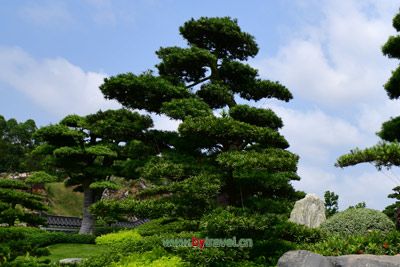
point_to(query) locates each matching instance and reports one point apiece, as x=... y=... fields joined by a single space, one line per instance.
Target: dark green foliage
x=216 y=95
x=389 y=131
x=391 y=86
x=331 y=203
x=179 y=109
x=382 y=155
x=221 y=36
x=359 y=205
x=255 y=116
x=396 y=22
x=391 y=210
x=142 y=92
x=18 y=204
x=392 y=50
x=15 y=142
x=213 y=133
x=392 y=47
x=184 y=65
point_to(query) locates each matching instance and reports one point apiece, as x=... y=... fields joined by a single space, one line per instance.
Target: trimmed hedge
x=357 y=221
x=119 y=237
x=18 y=241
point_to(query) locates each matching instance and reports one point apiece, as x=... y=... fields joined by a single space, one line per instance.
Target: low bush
x=167 y=225
x=272 y=241
x=154 y=258
x=18 y=241
x=375 y=242
x=119 y=237
x=357 y=221
x=27 y=261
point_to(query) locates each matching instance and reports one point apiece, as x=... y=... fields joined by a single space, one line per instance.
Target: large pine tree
x=228 y=167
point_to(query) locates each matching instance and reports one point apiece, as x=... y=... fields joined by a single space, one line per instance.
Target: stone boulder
x=70 y=261
x=309 y=211
x=365 y=260
x=303 y=258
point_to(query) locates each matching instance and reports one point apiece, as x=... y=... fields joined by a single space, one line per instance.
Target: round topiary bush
x=357 y=221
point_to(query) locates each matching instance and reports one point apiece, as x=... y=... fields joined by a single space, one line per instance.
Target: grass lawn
x=62 y=251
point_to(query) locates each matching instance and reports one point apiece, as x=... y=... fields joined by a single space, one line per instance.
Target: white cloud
x=352 y=186
x=371 y=187
x=162 y=122
x=338 y=62
x=338 y=66
x=56 y=85
x=315 y=135
x=371 y=117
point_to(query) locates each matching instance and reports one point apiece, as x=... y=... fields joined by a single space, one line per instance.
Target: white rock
x=309 y=211
x=70 y=261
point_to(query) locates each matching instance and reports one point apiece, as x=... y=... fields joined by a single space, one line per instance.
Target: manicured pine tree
x=18 y=204
x=386 y=153
x=89 y=150
x=231 y=172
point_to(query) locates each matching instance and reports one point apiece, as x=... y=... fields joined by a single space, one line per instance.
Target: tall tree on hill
x=236 y=160
x=386 y=153
x=89 y=150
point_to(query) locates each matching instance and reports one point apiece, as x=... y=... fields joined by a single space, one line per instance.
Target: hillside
x=64 y=201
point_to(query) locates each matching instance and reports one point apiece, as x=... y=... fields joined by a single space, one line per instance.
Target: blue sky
x=55 y=54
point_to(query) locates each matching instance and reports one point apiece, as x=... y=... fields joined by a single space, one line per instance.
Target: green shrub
x=167 y=225
x=119 y=237
x=357 y=222
x=154 y=258
x=376 y=242
x=102 y=230
x=18 y=241
x=27 y=261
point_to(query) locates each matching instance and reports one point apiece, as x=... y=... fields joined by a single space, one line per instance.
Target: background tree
x=221 y=169
x=392 y=210
x=15 y=144
x=359 y=205
x=89 y=150
x=331 y=203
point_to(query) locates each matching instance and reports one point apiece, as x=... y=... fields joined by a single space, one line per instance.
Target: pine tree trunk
x=87 y=219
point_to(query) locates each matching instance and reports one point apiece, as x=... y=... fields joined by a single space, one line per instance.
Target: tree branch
x=198 y=82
